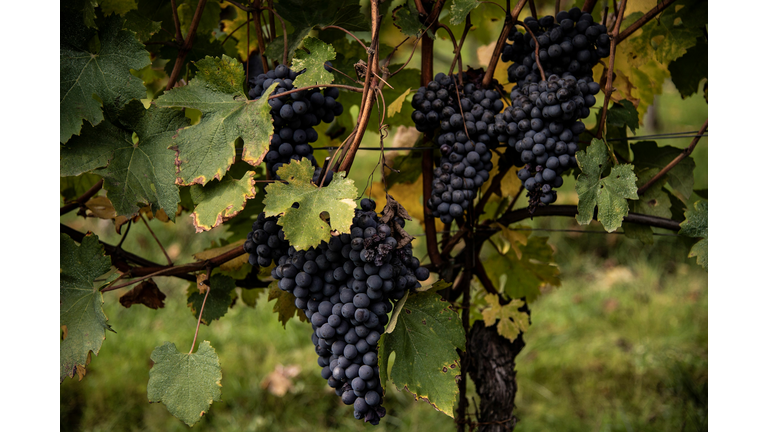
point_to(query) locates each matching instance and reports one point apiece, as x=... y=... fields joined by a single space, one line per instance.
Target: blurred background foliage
x=621 y=345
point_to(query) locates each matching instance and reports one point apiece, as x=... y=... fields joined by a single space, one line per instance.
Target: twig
x=458 y=100
x=508 y=23
x=415 y=45
x=347 y=32
x=260 y=40
x=536 y=52
x=170 y=263
x=532 y=6
x=641 y=190
x=285 y=33
x=202 y=307
x=125 y=235
x=184 y=50
x=272 y=29
x=589 y=5
x=644 y=19
x=341 y=86
x=420 y=7
x=494 y=4
x=177 y=24
x=609 y=84
x=467 y=26
x=233 y=31
x=82 y=199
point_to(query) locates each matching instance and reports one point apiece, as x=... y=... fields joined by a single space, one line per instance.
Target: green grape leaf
x=120 y=7
x=141 y=25
x=690 y=68
x=622 y=114
x=81 y=316
x=699 y=250
x=342 y=13
x=409 y=165
x=644 y=233
x=460 y=9
x=92 y=78
x=209 y=19
x=219 y=299
x=93 y=149
x=314 y=63
x=144 y=173
x=649 y=155
x=207 y=150
x=511 y=321
x=654 y=201
x=406 y=18
x=303 y=226
x=274 y=49
x=285 y=304
x=85 y=8
x=695 y=223
x=425 y=342
x=609 y=193
x=201 y=49
x=187 y=384
x=523 y=275
x=670 y=34
x=217 y=202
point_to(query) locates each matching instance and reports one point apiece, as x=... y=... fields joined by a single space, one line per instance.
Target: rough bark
x=492 y=368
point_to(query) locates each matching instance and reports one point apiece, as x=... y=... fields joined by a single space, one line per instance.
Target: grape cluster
x=572 y=43
x=294 y=116
x=461 y=119
x=345 y=288
x=266 y=243
x=542 y=127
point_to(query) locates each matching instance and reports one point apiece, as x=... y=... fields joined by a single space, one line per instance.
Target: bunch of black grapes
x=294 y=116
x=345 y=287
x=266 y=243
x=461 y=119
x=572 y=43
x=542 y=128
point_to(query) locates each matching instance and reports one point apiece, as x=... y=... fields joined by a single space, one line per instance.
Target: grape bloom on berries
x=346 y=287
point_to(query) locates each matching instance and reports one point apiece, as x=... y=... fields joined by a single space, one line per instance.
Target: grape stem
x=686 y=152
x=347 y=32
x=187 y=46
x=508 y=23
x=202 y=307
x=143 y=219
x=536 y=52
x=609 y=75
x=177 y=24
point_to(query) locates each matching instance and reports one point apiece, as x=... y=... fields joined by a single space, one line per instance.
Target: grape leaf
x=696 y=225
x=217 y=202
x=275 y=48
x=209 y=18
x=622 y=114
x=670 y=34
x=409 y=165
x=250 y=296
x=81 y=316
x=120 y=7
x=303 y=226
x=644 y=233
x=649 y=155
x=521 y=277
x=654 y=201
x=74 y=187
x=218 y=301
x=609 y=193
x=425 y=342
x=146 y=293
x=93 y=149
x=201 y=49
x=460 y=9
x=145 y=173
x=688 y=70
x=511 y=321
x=406 y=18
x=285 y=306
x=86 y=8
x=141 y=25
x=92 y=78
x=187 y=384
x=207 y=150
x=342 y=13
x=314 y=63
x=396 y=105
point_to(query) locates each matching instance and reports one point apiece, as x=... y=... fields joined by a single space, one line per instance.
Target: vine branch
x=508 y=23
x=82 y=199
x=688 y=150
x=609 y=75
x=644 y=19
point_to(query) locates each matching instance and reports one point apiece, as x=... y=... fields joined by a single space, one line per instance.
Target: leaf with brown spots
x=146 y=293
x=425 y=340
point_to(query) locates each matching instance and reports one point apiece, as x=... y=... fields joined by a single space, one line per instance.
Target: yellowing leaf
x=396 y=105
x=285 y=306
x=101 y=207
x=511 y=321
x=220 y=201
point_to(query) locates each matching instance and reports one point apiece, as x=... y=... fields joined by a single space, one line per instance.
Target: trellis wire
x=556 y=230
